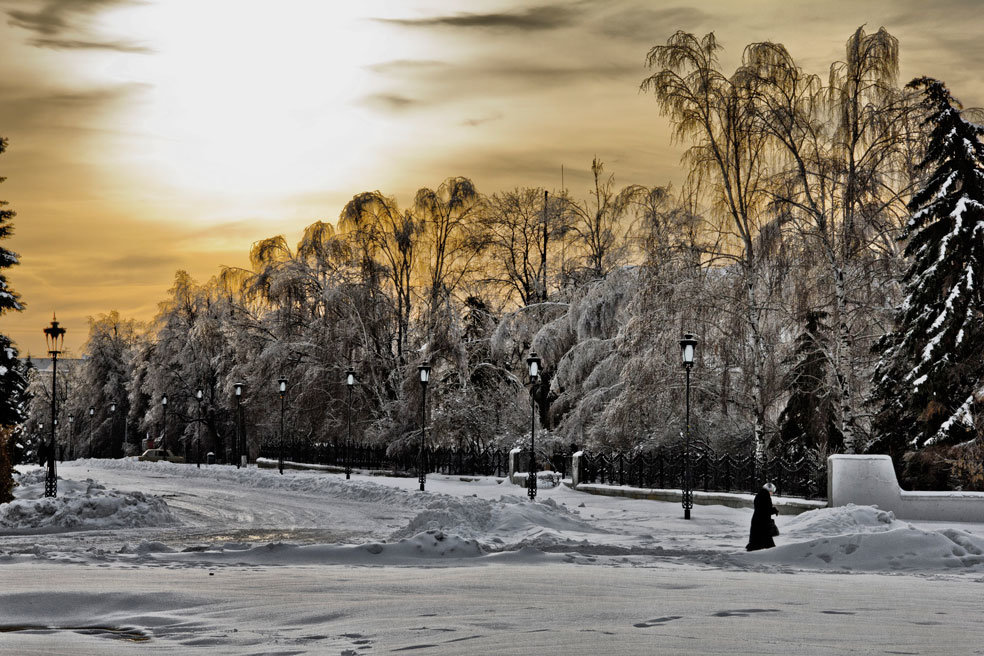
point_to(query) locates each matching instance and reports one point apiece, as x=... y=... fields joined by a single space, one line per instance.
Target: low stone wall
x=869 y=480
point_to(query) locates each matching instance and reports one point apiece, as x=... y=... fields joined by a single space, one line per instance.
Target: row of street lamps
x=55 y=335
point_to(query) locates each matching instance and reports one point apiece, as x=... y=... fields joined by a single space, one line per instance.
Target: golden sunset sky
x=153 y=135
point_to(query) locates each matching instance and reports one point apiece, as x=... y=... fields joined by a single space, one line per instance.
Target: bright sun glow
x=245 y=98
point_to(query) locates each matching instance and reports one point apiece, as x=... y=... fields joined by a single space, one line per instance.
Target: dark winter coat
x=761 y=533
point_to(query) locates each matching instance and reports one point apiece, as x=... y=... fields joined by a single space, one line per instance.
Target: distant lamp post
x=164 y=424
x=92 y=421
x=198 y=432
x=425 y=371
x=71 y=437
x=112 y=430
x=55 y=337
x=687 y=346
x=534 y=363
x=282 y=386
x=61 y=456
x=240 y=453
x=349 y=383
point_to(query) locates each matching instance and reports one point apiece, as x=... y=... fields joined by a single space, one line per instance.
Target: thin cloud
x=436 y=85
x=21 y=107
x=548 y=17
x=388 y=102
x=406 y=66
x=475 y=122
x=141 y=262
x=75 y=44
x=57 y=16
x=645 y=24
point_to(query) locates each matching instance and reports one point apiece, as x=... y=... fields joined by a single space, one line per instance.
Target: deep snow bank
x=79 y=505
x=864 y=538
x=432 y=547
x=507 y=522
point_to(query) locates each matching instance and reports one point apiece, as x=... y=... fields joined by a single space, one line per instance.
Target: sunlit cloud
x=76 y=44
x=153 y=135
x=58 y=16
x=547 y=17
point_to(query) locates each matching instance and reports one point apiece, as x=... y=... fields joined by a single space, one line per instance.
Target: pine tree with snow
x=12 y=384
x=8 y=299
x=808 y=423
x=927 y=384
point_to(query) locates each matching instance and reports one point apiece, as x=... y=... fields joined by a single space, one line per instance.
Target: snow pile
x=863 y=538
x=432 y=545
x=306 y=482
x=841 y=520
x=79 y=505
x=509 y=521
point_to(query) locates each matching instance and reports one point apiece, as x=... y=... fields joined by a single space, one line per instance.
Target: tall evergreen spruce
x=12 y=383
x=808 y=423
x=931 y=371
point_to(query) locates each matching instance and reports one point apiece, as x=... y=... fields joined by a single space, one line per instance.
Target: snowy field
x=154 y=557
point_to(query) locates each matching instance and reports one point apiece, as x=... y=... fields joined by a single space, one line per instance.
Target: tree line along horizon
x=825 y=248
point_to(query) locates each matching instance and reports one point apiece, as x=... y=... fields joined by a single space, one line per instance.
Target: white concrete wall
x=870 y=480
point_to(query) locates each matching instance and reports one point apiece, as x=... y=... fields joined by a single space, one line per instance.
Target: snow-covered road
x=177 y=559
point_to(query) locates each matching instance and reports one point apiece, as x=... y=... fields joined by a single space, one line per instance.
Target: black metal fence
x=663 y=469
x=442 y=460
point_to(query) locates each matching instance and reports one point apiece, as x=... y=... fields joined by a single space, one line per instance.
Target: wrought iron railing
x=443 y=460
x=663 y=468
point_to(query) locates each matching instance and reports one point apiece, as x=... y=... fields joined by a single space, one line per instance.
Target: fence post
x=513 y=457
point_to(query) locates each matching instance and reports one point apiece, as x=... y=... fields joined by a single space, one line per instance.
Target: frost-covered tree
x=840 y=178
x=517 y=257
x=928 y=382
x=388 y=240
x=102 y=381
x=718 y=116
x=447 y=224
x=600 y=229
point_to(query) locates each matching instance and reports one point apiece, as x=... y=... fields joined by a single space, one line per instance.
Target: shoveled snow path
x=251 y=562
x=503 y=609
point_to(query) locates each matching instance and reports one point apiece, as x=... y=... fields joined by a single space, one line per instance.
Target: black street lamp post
x=533 y=362
x=71 y=437
x=198 y=431
x=687 y=346
x=425 y=371
x=240 y=461
x=55 y=336
x=282 y=383
x=349 y=383
x=92 y=420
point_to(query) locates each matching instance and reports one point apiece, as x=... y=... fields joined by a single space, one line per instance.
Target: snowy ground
x=176 y=559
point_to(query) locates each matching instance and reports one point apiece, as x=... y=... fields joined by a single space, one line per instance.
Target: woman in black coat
x=761 y=533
